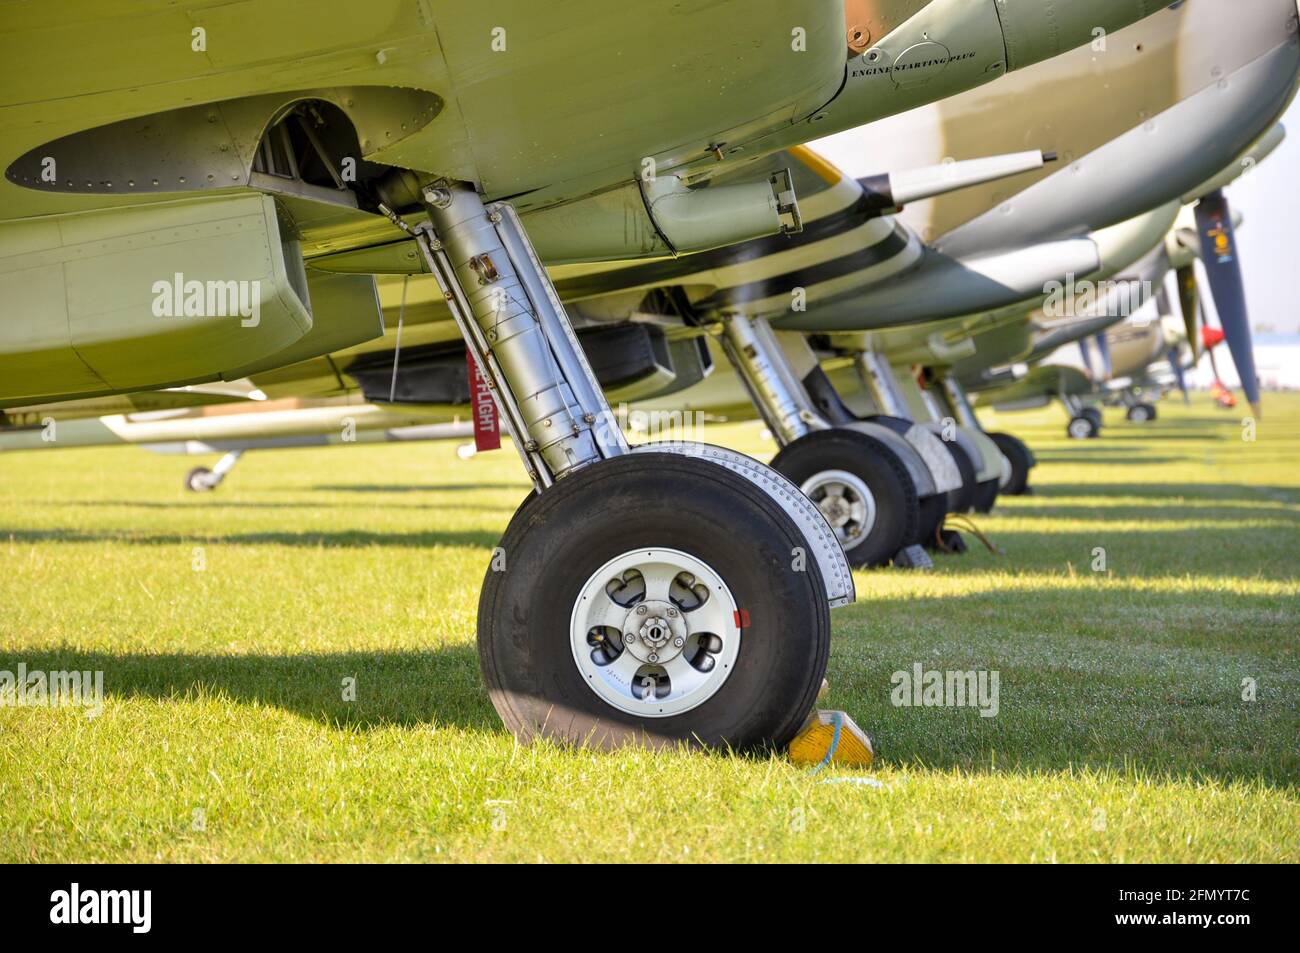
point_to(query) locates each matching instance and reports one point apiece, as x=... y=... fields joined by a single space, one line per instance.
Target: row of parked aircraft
x=248 y=228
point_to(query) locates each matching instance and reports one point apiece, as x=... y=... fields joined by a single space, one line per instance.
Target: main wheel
x=654 y=599
x=1081 y=428
x=1093 y=414
x=962 y=499
x=862 y=489
x=1141 y=413
x=196 y=481
x=1022 y=461
x=934 y=509
x=986 y=494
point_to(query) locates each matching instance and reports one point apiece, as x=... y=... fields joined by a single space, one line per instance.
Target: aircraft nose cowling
x=950 y=46
x=1035 y=30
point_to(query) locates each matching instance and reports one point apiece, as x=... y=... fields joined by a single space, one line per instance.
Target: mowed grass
x=225 y=625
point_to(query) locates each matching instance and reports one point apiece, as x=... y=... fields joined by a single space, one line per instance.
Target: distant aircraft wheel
x=1020 y=458
x=862 y=489
x=654 y=599
x=1081 y=428
x=846 y=503
x=934 y=509
x=962 y=499
x=197 y=480
x=1141 y=413
x=986 y=495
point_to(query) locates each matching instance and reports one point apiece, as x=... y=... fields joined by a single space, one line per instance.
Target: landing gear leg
x=633 y=598
x=954 y=399
x=203 y=480
x=1138 y=410
x=859 y=484
x=1085 y=422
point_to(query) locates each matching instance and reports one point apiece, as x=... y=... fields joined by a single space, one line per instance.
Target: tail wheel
x=654 y=599
x=1081 y=428
x=862 y=489
x=1021 y=460
x=196 y=481
x=986 y=494
x=962 y=499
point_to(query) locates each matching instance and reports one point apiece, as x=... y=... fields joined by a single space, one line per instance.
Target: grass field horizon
x=227 y=623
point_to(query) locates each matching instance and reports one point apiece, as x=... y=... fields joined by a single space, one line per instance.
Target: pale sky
x=1269 y=200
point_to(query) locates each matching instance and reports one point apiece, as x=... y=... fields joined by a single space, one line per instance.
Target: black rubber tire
x=192 y=476
x=1093 y=414
x=934 y=509
x=897 y=507
x=1081 y=428
x=558 y=538
x=1141 y=413
x=986 y=495
x=1018 y=454
x=961 y=499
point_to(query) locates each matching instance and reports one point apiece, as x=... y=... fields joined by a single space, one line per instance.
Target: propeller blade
x=1222 y=264
x=1176 y=364
x=1211 y=337
x=1189 y=302
x=1103 y=350
x=1086 y=353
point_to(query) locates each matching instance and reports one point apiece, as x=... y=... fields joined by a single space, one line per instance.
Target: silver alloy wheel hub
x=655 y=632
x=845 y=502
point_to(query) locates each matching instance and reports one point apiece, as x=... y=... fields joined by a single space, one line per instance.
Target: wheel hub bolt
x=640 y=610
x=630 y=638
x=672 y=613
x=679 y=641
x=653 y=657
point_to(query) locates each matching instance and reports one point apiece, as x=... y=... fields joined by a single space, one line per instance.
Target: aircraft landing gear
x=999 y=474
x=1085 y=422
x=672 y=594
x=203 y=480
x=1141 y=413
x=861 y=488
x=866 y=480
x=1021 y=459
x=655 y=615
x=1081 y=428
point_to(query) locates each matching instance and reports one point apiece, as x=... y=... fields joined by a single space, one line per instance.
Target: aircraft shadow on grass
x=191 y=505
x=523 y=488
x=1100 y=458
x=1165 y=493
x=1197 y=731
x=393 y=688
x=1141 y=552
x=346 y=539
x=1171 y=512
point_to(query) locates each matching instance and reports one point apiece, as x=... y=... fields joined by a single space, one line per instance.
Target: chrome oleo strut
x=772 y=385
x=509 y=314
